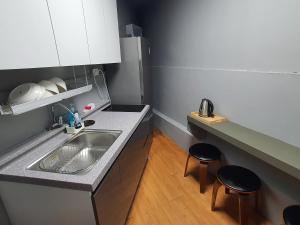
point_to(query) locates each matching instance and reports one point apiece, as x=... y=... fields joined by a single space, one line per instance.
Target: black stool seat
x=238 y=178
x=291 y=215
x=205 y=152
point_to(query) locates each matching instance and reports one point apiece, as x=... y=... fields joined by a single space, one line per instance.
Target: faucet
x=54 y=123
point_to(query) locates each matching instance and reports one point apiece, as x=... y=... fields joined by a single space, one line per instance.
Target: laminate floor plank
x=165 y=197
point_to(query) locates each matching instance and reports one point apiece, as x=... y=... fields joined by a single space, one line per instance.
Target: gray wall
x=244 y=56
x=241 y=54
x=126 y=15
x=16 y=129
x=263 y=102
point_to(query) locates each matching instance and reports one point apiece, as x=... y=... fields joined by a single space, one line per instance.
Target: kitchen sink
x=79 y=154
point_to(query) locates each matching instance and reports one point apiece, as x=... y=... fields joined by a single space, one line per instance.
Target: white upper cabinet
x=48 y=33
x=26 y=39
x=111 y=25
x=102 y=30
x=95 y=27
x=69 y=31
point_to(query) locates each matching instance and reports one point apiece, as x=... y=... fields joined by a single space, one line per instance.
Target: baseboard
x=178 y=132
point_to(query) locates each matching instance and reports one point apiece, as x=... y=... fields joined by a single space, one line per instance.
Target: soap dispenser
x=71 y=117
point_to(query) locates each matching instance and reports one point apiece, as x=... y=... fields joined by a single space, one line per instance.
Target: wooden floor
x=165 y=197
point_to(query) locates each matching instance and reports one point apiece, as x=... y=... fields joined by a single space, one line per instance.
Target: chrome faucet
x=56 y=124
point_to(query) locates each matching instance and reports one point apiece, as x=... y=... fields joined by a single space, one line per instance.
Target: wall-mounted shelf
x=279 y=154
x=29 y=106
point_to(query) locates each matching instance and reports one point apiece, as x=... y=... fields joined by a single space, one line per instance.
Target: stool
x=206 y=154
x=240 y=181
x=291 y=215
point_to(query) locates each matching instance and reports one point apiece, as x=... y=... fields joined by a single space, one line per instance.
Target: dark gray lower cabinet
x=114 y=196
x=106 y=197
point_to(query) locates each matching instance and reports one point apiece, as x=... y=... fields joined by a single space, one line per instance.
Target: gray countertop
x=126 y=122
x=279 y=154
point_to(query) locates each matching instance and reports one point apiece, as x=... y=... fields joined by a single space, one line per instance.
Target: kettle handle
x=201 y=106
x=211 y=106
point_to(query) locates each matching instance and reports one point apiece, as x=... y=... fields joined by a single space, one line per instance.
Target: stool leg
x=216 y=187
x=227 y=191
x=256 y=200
x=186 y=165
x=203 y=176
x=220 y=163
x=282 y=223
x=282 y=219
x=243 y=209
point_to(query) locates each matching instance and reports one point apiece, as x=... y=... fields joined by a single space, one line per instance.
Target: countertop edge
x=82 y=186
x=46 y=182
x=275 y=162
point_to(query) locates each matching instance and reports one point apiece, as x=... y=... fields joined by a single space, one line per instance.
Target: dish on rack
x=50 y=86
x=26 y=93
x=61 y=85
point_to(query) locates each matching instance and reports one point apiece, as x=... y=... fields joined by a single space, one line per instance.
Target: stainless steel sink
x=78 y=154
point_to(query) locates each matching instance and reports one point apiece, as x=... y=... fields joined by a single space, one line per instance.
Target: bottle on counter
x=70 y=116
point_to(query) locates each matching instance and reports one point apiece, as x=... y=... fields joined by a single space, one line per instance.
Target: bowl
x=26 y=93
x=50 y=86
x=61 y=85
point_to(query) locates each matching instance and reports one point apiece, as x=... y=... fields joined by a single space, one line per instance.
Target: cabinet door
x=131 y=167
x=69 y=29
x=26 y=39
x=95 y=27
x=113 y=198
x=112 y=31
x=132 y=162
x=148 y=124
x=102 y=29
x=107 y=199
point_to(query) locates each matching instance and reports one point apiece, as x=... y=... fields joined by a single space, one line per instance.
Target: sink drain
x=88 y=123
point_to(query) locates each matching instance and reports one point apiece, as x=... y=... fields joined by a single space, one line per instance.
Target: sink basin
x=78 y=154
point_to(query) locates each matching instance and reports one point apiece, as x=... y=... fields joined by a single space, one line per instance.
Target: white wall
x=245 y=57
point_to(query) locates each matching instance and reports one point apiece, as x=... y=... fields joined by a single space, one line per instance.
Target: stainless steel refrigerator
x=130 y=82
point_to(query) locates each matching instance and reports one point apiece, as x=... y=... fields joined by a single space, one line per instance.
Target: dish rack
x=29 y=106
